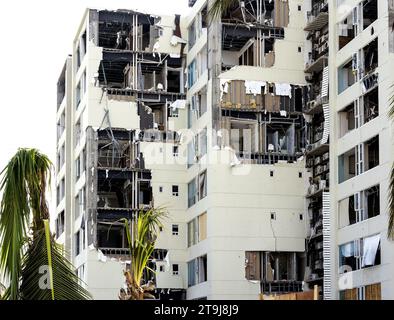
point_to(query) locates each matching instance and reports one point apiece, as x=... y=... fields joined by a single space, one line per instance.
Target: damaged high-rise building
x=257 y=131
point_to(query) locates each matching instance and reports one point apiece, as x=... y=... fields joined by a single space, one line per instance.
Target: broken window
x=197 y=107
x=197 y=230
x=80 y=90
x=360 y=18
x=112 y=193
x=370 y=58
x=61 y=125
x=359 y=207
x=80 y=165
x=360 y=253
x=60 y=191
x=192 y=74
x=61 y=87
x=372 y=153
x=196 y=28
x=192 y=193
x=78 y=132
x=347 y=165
x=279 y=272
x=77 y=243
x=347 y=120
x=175 y=80
x=248 y=37
x=116 y=30
x=192 y=233
x=80 y=201
x=114 y=154
x=369 y=12
x=202 y=140
x=197 y=148
x=359 y=112
x=60 y=223
x=202 y=190
x=192 y=33
x=197 y=271
x=197 y=189
x=347 y=75
x=81 y=49
x=61 y=157
x=111 y=236
x=371 y=105
x=346 y=31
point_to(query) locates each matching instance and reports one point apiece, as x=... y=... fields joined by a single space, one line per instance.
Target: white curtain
x=370 y=248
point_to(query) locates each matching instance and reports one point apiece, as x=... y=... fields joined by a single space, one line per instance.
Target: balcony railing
x=265 y=158
x=281 y=286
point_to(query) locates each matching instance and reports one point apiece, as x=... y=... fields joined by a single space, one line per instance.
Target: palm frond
x=36 y=278
x=22 y=180
x=219 y=7
x=25 y=250
x=145 y=230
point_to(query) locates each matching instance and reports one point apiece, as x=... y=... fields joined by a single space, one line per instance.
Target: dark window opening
x=175 y=269
x=371 y=105
x=77 y=239
x=174 y=81
x=175 y=229
x=373 y=202
x=111 y=237
x=371 y=60
x=370 y=12
x=372 y=148
x=175 y=191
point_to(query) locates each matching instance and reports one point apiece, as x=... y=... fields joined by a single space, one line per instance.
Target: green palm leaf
x=24 y=250
x=35 y=284
x=145 y=230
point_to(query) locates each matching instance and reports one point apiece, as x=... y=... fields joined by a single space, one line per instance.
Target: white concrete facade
x=240 y=206
x=364 y=179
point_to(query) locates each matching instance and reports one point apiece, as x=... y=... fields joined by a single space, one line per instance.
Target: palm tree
x=219 y=7
x=145 y=230
x=29 y=256
x=391 y=186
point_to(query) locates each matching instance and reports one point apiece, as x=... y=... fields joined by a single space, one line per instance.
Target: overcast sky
x=36 y=37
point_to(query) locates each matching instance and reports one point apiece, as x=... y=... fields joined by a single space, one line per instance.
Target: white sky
x=36 y=37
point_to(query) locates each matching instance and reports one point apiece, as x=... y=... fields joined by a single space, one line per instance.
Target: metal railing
x=281 y=286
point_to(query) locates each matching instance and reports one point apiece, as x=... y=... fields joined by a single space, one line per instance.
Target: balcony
x=318 y=16
x=266 y=158
x=316 y=65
